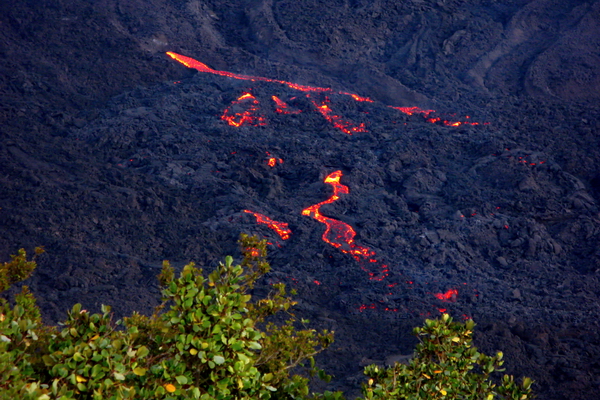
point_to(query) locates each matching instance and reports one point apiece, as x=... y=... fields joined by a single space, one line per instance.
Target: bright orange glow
x=358 y=98
x=449 y=296
x=336 y=120
x=280 y=227
x=412 y=110
x=427 y=115
x=272 y=161
x=249 y=116
x=282 y=106
x=191 y=63
x=339 y=234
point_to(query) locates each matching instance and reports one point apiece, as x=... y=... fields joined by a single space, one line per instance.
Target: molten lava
x=280 y=227
x=427 y=114
x=191 y=63
x=272 y=161
x=339 y=234
x=250 y=114
x=326 y=112
x=283 y=107
x=449 y=296
x=337 y=121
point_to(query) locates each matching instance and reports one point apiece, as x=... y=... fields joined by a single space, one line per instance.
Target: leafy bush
x=445 y=366
x=204 y=342
x=206 y=345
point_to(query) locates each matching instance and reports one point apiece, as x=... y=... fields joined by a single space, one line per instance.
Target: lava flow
x=326 y=112
x=337 y=121
x=272 y=161
x=280 y=227
x=283 y=107
x=249 y=116
x=341 y=235
x=449 y=296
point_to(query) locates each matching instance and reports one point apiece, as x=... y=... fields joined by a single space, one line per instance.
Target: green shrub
x=202 y=343
x=209 y=341
x=445 y=366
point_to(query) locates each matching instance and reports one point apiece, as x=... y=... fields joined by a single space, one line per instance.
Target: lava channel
x=280 y=227
x=283 y=107
x=337 y=121
x=341 y=235
x=250 y=115
x=427 y=114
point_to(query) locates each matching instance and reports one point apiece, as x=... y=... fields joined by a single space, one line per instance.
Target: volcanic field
x=402 y=159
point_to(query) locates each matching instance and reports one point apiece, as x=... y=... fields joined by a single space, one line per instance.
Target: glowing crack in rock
x=449 y=296
x=337 y=121
x=283 y=107
x=427 y=114
x=280 y=227
x=250 y=115
x=341 y=235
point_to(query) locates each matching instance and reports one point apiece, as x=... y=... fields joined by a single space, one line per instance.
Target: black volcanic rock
x=115 y=157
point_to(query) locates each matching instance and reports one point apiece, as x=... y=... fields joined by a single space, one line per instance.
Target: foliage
x=203 y=342
x=208 y=340
x=17 y=269
x=445 y=366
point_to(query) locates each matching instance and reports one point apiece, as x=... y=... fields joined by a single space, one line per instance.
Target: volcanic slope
x=498 y=222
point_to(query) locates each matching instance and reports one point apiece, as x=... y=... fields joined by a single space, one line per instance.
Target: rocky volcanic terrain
x=115 y=156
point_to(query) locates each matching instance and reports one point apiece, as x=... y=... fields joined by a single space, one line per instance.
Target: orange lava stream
x=191 y=63
x=280 y=227
x=427 y=115
x=250 y=116
x=449 y=296
x=337 y=121
x=339 y=234
x=282 y=106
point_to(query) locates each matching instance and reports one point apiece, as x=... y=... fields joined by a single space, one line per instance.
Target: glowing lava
x=272 y=161
x=326 y=112
x=250 y=115
x=337 y=121
x=280 y=227
x=339 y=234
x=427 y=114
x=283 y=107
x=449 y=296
x=191 y=63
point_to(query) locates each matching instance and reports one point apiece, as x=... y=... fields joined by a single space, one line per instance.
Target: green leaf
x=96 y=371
x=119 y=376
x=254 y=345
x=142 y=352
x=218 y=360
x=182 y=380
x=139 y=371
x=243 y=358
